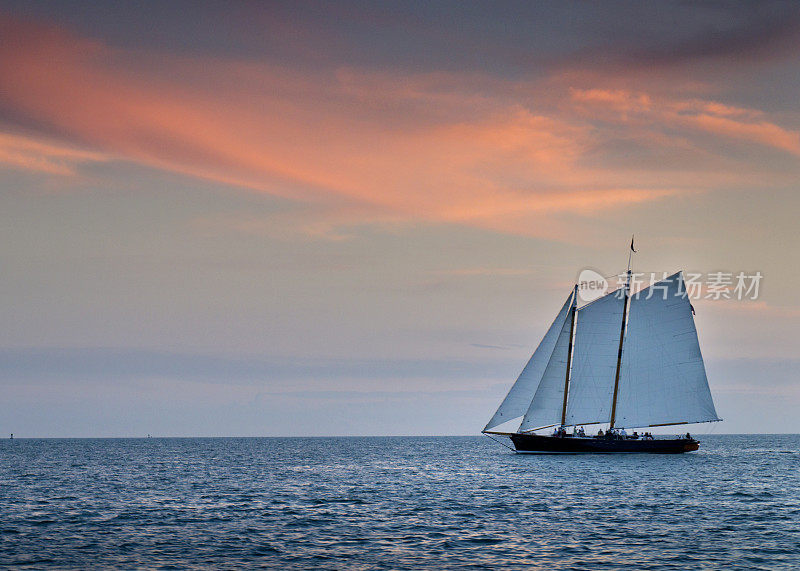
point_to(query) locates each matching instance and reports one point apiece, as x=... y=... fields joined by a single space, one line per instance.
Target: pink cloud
x=762 y=132
x=726 y=121
x=362 y=147
x=34 y=154
x=620 y=100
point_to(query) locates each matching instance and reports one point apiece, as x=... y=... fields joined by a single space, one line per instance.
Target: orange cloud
x=365 y=146
x=762 y=132
x=38 y=155
x=619 y=100
x=711 y=116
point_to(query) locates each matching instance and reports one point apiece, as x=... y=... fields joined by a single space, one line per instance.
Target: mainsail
x=663 y=378
x=595 y=360
x=519 y=398
x=656 y=367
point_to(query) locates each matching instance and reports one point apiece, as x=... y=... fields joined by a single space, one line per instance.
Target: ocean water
x=395 y=503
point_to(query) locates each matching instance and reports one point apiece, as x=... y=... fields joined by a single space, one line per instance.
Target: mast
x=621 y=336
x=569 y=354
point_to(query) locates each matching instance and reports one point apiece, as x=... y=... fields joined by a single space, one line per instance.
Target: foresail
x=521 y=394
x=594 y=360
x=545 y=408
x=663 y=378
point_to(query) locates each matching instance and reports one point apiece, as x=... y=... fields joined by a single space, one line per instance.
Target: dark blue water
x=395 y=503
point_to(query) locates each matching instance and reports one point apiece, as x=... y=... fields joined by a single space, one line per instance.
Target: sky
x=359 y=218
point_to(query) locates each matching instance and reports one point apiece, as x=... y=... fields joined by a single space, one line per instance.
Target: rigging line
x=500 y=443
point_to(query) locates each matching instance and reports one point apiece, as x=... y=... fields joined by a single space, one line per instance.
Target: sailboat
x=628 y=361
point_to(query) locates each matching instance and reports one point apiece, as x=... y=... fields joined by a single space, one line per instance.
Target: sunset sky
x=335 y=218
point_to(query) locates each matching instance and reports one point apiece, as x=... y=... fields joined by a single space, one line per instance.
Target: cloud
x=725 y=121
x=618 y=100
x=664 y=37
x=359 y=146
x=34 y=154
x=762 y=132
x=754 y=34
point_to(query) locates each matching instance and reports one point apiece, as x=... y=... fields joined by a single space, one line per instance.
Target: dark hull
x=535 y=444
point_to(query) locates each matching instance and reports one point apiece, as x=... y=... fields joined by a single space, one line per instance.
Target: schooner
x=625 y=360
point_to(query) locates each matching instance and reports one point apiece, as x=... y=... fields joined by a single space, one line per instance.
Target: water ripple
x=395 y=503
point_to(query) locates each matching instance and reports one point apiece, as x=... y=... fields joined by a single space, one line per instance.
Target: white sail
x=521 y=394
x=663 y=378
x=547 y=403
x=594 y=360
